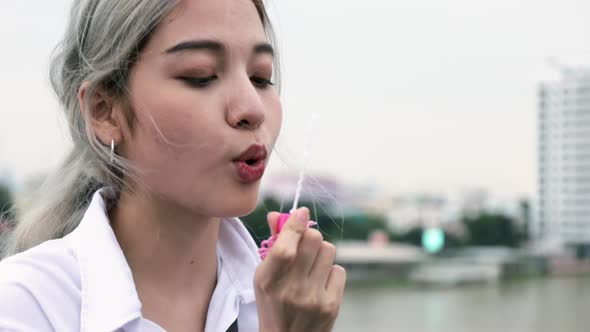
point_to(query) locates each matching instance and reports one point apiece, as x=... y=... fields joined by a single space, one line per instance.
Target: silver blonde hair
x=102 y=41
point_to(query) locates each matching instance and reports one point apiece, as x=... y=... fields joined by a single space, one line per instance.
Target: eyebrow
x=211 y=45
x=196 y=45
x=264 y=48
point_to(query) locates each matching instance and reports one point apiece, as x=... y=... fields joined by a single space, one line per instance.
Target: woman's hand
x=298 y=287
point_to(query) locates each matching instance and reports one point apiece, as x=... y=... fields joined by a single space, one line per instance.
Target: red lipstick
x=250 y=165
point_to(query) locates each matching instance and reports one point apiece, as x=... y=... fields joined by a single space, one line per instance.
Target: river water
x=539 y=305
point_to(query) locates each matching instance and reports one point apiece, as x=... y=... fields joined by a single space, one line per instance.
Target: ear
x=103 y=114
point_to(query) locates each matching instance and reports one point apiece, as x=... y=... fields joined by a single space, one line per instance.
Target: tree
x=256 y=223
x=492 y=230
x=414 y=237
x=525 y=211
x=350 y=227
x=6 y=202
x=333 y=227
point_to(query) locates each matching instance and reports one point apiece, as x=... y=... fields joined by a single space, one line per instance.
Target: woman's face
x=201 y=95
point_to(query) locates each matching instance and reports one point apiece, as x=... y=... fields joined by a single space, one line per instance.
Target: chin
x=242 y=204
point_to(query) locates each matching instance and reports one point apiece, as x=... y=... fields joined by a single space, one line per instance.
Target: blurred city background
x=450 y=160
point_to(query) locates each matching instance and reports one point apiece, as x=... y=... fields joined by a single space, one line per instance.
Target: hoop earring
x=112 y=150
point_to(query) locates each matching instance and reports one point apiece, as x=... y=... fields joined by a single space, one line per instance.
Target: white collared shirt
x=82 y=282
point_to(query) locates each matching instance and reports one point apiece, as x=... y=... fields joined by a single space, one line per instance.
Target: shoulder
x=41 y=288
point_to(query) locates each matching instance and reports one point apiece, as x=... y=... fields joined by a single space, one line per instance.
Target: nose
x=245 y=109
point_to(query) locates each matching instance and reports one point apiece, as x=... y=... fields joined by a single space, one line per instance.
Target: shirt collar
x=239 y=256
x=109 y=296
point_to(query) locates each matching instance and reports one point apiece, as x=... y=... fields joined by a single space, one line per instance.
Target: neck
x=171 y=252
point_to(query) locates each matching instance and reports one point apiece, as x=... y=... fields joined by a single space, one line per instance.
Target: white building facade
x=564 y=160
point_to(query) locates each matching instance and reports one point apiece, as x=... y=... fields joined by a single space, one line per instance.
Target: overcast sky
x=411 y=95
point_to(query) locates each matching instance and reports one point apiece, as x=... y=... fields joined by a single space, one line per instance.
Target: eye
x=261 y=82
x=198 y=82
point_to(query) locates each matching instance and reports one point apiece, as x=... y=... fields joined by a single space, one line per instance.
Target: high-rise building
x=564 y=159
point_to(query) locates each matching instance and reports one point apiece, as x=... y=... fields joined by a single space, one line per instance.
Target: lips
x=250 y=165
x=254 y=153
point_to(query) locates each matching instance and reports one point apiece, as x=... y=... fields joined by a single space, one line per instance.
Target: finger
x=336 y=281
x=309 y=246
x=284 y=250
x=272 y=218
x=334 y=292
x=293 y=229
x=323 y=264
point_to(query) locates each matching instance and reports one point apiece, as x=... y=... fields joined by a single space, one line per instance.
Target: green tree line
x=486 y=229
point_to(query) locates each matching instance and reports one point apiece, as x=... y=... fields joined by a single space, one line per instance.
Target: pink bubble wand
x=266 y=245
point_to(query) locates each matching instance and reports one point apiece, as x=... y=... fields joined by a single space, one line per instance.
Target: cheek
x=166 y=113
x=162 y=133
x=166 y=130
x=274 y=118
x=168 y=118
x=170 y=155
x=154 y=149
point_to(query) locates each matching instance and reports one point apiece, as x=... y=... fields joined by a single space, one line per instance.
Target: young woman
x=173 y=114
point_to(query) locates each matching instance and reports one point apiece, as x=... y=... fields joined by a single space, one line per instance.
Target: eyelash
x=260 y=82
x=198 y=82
x=203 y=82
